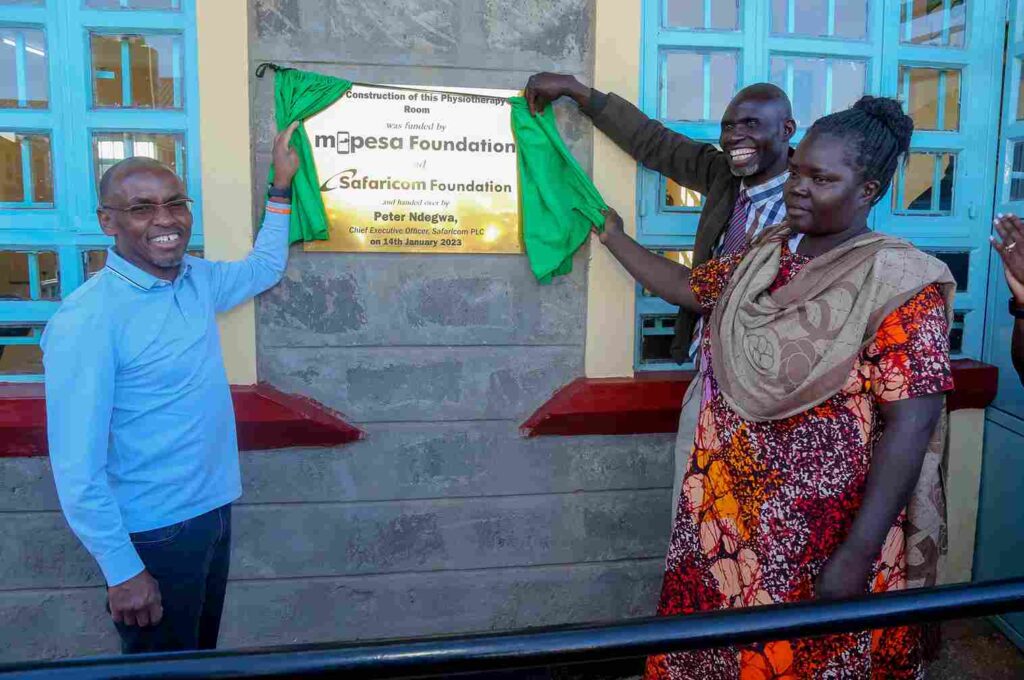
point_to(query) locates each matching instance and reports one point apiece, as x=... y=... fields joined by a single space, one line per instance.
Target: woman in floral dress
x=820 y=394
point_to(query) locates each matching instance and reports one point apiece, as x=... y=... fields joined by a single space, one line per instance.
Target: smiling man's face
x=154 y=242
x=755 y=136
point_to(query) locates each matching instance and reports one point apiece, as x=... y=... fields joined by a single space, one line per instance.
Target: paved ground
x=975 y=650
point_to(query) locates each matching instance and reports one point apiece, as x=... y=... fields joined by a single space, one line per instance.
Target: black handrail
x=554 y=645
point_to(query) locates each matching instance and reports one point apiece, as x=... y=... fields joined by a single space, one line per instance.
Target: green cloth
x=558 y=202
x=297 y=96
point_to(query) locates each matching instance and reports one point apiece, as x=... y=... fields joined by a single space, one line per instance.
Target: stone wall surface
x=444 y=519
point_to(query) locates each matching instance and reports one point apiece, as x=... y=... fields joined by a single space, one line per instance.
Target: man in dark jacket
x=741 y=183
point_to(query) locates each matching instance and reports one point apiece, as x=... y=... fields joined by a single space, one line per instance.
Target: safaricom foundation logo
x=345 y=143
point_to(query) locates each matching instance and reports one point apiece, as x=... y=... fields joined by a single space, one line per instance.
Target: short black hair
x=122 y=168
x=878 y=132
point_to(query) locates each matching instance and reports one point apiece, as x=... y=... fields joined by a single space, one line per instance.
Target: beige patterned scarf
x=777 y=354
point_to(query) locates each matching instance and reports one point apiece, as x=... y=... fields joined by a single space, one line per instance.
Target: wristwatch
x=1016 y=310
x=274 y=192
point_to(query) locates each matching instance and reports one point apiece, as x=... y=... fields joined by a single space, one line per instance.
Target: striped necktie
x=736 y=236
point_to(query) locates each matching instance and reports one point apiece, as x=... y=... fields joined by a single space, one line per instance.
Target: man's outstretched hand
x=544 y=88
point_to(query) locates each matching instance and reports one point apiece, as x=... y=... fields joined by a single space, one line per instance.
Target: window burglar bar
x=554 y=645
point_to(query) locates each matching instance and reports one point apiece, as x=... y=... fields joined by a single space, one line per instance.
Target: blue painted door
x=83 y=84
x=999 y=550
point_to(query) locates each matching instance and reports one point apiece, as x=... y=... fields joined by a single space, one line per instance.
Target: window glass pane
x=20 y=353
x=29 y=276
x=93 y=261
x=934 y=98
x=959 y=264
x=681 y=198
x=1017 y=172
x=806 y=80
x=810 y=17
x=690 y=14
x=14 y=283
x=49 y=275
x=656 y=333
x=136 y=71
x=852 y=19
x=927 y=184
x=927 y=22
x=698 y=84
x=956 y=333
x=37 y=3
x=26 y=170
x=111 y=147
x=24 y=71
x=133 y=4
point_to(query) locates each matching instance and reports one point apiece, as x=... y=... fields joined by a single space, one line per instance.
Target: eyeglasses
x=179 y=208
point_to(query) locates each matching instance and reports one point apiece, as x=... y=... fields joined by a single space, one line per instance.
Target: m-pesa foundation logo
x=345 y=143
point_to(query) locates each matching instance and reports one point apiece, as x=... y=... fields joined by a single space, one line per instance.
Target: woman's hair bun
x=890 y=113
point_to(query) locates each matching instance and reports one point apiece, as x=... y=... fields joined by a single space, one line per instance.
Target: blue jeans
x=189 y=560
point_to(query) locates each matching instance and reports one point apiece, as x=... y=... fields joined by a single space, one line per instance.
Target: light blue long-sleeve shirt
x=139 y=415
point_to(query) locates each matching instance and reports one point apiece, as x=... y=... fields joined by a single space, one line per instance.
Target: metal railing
x=559 y=645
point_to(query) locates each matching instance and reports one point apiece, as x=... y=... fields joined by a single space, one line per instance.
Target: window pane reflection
x=136 y=71
x=818 y=86
x=24 y=69
x=724 y=14
x=1017 y=172
x=927 y=22
x=20 y=353
x=111 y=147
x=934 y=98
x=656 y=333
x=811 y=17
x=698 y=84
x=93 y=262
x=959 y=263
x=926 y=184
x=29 y=275
x=26 y=170
x=133 y=4
x=681 y=198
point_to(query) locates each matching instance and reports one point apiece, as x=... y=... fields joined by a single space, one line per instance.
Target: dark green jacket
x=694 y=165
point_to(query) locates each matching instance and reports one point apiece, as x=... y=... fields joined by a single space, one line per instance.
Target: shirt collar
x=135 y=276
x=766 y=191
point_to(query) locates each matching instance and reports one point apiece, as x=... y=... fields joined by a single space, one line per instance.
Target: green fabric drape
x=297 y=96
x=558 y=202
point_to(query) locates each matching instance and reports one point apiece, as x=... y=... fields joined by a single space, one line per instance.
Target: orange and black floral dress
x=764 y=505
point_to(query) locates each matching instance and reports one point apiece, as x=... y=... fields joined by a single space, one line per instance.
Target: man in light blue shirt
x=140 y=421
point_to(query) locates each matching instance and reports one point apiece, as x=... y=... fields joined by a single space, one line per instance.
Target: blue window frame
x=83 y=83
x=942 y=59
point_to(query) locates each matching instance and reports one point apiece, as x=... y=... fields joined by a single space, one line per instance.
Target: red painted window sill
x=265 y=417
x=649 y=403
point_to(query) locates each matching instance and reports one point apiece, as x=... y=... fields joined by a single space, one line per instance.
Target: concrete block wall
x=417 y=530
x=440 y=358
x=444 y=519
